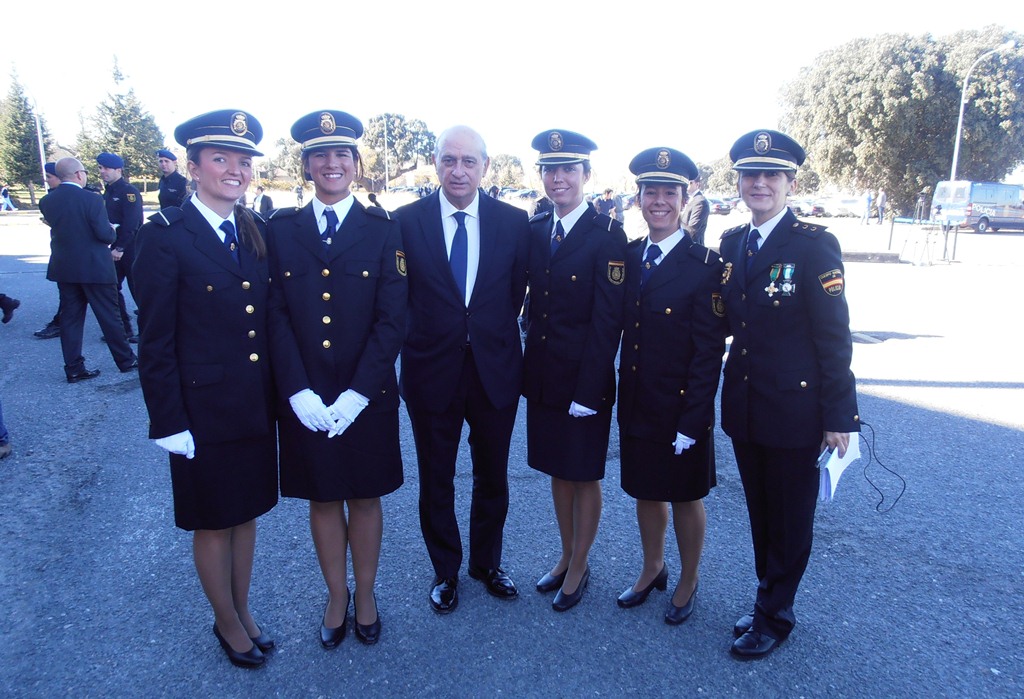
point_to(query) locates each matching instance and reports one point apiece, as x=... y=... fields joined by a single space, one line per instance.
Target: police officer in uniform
x=670 y=362
x=124 y=209
x=788 y=392
x=337 y=322
x=173 y=185
x=576 y=273
x=52 y=328
x=203 y=284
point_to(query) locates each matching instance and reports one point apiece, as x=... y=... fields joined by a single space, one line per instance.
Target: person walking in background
x=173 y=185
x=124 y=210
x=5 y=199
x=695 y=214
x=669 y=365
x=82 y=266
x=203 y=285
x=335 y=336
x=787 y=391
x=462 y=358
x=577 y=272
x=869 y=199
x=262 y=203
x=52 y=328
x=880 y=203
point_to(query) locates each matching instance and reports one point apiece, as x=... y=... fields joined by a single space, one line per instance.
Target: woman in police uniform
x=337 y=322
x=671 y=356
x=203 y=286
x=577 y=260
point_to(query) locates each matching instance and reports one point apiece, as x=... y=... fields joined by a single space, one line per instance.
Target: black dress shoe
x=497 y=581
x=677 y=615
x=369 y=633
x=563 y=601
x=743 y=625
x=550 y=583
x=83 y=375
x=133 y=339
x=444 y=595
x=331 y=638
x=263 y=641
x=130 y=366
x=8 y=305
x=49 y=332
x=629 y=598
x=754 y=644
x=249 y=659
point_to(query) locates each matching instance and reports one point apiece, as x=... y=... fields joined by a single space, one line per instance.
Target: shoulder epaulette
x=637 y=242
x=166 y=217
x=379 y=212
x=257 y=215
x=540 y=217
x=605 y=221
x=283 y=212
x=732 y=231
x=811 y=230
x=706 y=255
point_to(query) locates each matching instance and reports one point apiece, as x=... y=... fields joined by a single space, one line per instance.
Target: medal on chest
x=788 y=285
x=773 y=276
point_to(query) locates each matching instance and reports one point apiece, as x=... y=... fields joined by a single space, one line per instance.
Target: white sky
x=509 y=69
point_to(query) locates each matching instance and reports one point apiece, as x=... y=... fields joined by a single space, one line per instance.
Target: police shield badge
x=616 y=271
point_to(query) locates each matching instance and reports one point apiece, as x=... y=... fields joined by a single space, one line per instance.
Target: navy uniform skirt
x=566 y=447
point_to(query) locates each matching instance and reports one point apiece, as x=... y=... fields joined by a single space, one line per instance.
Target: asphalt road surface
x=99 y=597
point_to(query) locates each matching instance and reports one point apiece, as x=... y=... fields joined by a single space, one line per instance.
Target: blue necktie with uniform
x=557 y=238
x=752 y=248
x=230 y=239
x=459 y=257
x=647 y=268
x=332 y=227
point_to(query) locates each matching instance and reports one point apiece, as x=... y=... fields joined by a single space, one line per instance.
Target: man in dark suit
x=262 y=203
x=124 y=210
x=82 y=266
x=173 y=185
x=695 y=214
x=462 y=358
x=788 y=392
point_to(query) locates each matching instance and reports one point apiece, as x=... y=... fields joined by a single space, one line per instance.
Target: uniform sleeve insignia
x=379 y=212
x=727 y=273
x=832 y=282
x=717 y=305
x=616 y=271
x=131 y=197
x=400 y=263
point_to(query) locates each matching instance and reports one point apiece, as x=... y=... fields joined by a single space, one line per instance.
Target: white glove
x=577 y=410
x=181 y=443
x=683 y=443
x=311 y=411
x=346 y=409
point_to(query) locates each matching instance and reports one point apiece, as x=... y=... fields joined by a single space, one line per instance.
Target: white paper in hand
x=834 y=467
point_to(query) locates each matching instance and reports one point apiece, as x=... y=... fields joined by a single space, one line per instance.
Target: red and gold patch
x=832 y=282
x=400 y=263
x=616 y=271
x=131 y=197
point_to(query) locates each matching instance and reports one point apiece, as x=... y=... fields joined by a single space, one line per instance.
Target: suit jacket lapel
x=667 y=270
x=307 y=232
x=488 y=238
x=353 y=230
x=577 y=235
x=773 y=247
x=207 y=241
x=433 y=237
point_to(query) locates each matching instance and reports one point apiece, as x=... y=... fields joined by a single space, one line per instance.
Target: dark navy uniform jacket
x=203 y=348
x=788 y=375
x=124 y=209
x=672 y=344
x=575 y=312
x=80 y=236
x=439 y=320
x=337 y=316
x=173 y=190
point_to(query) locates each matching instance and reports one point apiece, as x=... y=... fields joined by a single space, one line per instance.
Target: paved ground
x=98 y=596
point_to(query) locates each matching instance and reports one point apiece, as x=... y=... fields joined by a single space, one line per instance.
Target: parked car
x=717 y=206
x=842 y=206
x=806 y=207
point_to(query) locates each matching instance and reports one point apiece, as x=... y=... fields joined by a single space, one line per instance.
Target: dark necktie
x=230 y=239
x=557 y=238
x=460 y=252
x=332 y=227
x=752 y=239
x=647 y=268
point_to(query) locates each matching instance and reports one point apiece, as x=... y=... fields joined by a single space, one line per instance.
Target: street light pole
x=963 y=101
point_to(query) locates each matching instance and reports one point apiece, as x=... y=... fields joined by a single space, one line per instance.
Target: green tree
x=505 y=171
x=122 y=125
x=882 y=112
x=719 y=177
x=19 y=142
x=409 y=142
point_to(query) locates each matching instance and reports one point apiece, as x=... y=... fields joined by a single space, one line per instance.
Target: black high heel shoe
x=563 y=602
x=550 y=583
x=629 y=598
x=251 y=658
x=368 y=633
x=263 y=641
x=331 y=638
x=677 y=615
